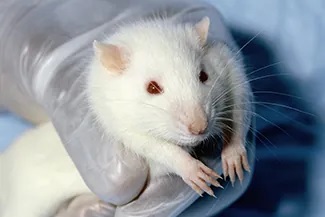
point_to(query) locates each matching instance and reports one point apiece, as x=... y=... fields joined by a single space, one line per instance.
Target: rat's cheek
x=207 y=107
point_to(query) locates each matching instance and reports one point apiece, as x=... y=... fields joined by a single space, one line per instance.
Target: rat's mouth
x=185 y=138
x=192 y=140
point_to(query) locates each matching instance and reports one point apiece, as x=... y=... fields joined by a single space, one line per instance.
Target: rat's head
x=154 y=77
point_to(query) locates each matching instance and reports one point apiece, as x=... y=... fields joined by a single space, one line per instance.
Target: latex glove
x=39 y=71
x=175 y=198
x=42 y=47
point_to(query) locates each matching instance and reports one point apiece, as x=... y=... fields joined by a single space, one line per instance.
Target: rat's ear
x=112 y=57
x=202 y=28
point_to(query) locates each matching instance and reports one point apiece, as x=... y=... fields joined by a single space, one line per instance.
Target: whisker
x=229 y=119
x=285 y=106
x=259 y=133
x=245 y=82
x=276 y=111
x=281 y=113
x=264 y=67
x=231 y=59
x=278 y=93
x=265 y=119
x=273 y=104
x=248 y=42
x=261 y=77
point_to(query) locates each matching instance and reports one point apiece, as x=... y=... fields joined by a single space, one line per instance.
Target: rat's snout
x=195 y=120
x=198 y=127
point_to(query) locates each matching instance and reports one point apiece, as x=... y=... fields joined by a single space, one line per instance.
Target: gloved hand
x=42 y=48
x=39 y=72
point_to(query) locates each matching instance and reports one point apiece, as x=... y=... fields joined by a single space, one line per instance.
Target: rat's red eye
x=154 y=88
x=203 y=76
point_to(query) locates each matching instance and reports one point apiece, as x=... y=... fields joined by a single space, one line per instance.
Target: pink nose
x=194 y=118
x=198 y=127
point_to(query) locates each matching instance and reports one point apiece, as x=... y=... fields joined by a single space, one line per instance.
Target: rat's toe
x=245 y=163
x=232 y=174
x=239 y=170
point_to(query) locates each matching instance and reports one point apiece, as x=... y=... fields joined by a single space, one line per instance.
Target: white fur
x=172 y=55
x=37 y=175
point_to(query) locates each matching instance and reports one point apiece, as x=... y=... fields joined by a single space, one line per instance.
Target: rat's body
x=156 y=92
x=166 y=88
x=22 y=192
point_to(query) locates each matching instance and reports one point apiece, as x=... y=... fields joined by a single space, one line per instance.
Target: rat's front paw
x=197 y=175
x=234 y=159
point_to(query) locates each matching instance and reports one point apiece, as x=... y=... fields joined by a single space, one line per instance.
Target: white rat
x=160 y=89
x=160 y=92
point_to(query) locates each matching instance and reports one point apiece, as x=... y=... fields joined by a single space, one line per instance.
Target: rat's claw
x=202 y=184
x=197 y=175
x=239 y=170
x=209 y=171
x=195 y=187
x=217 y=184
x=245 y=162
x=234 y=159
x=225 y=169
x=209 y=179
x=232 y=174
x=205 y=177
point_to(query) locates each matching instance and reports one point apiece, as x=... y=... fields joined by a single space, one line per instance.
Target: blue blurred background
x=289 y=179
x=288 y=61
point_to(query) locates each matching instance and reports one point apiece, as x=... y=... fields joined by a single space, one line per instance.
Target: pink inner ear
x=111 y=57
x=202 y=28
